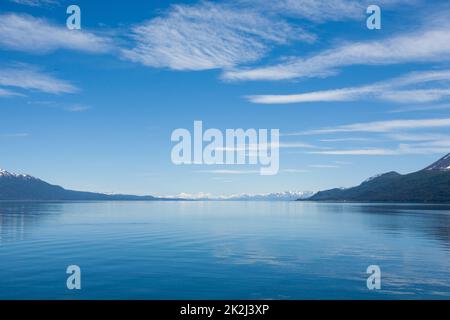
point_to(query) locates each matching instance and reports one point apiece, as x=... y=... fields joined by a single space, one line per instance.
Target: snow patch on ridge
x=4 y=173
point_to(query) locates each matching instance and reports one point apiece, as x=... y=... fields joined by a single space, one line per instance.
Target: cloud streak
x=14 y=135
x=382 y=126
x=324 y=11
x=418 y=137
x=35 y=3
x=422 y=108
x=227 y=171
x=26 y=33
x=401 y=150
x=77 y=108
x=294 y=170
x=324 y=166
x=28 y=78
x=317 y=11
x=8 y=93
x=393 y=90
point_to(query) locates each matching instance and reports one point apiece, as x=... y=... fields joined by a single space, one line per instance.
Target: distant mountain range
x=430 y=185
x=24 y=187
x=275 y=196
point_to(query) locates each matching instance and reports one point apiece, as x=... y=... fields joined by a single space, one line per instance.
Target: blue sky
x=94 y=109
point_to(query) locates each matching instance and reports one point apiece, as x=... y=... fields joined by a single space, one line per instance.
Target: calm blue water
x=223 y=250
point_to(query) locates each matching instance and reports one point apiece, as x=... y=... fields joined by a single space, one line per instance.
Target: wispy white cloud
x=429 y=45
x=14 y=135
x=421 y=108
x=294 y=170
x=401 y=150
x=323 y=11
x=394 y=90
x=343 y=162
x=207 y=36
x=8 y=93
x=352 y=152
x=268 y=146
x=76 y=108
x=416 y=96
x=383 y=126
x=69 y=107
x=36 y=3
x=293 y=145
x=228 y=171
x=348 y=139
x=317 y=11
x=222 y=179
x=26 y=33
x=29 y=78
x=393 y=131
x=347 y=94
x=324 y=166
x=226 y=34
x=417 y=136
x=42 y=102
x=398 y=132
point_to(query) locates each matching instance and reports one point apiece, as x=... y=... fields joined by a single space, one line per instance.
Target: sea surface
x=223 y=250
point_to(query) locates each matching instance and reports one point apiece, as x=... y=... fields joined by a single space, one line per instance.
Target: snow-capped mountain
x=15 y=186
x=275 y=196
x=430 y=185
x=441 y=164
x=7 y=174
